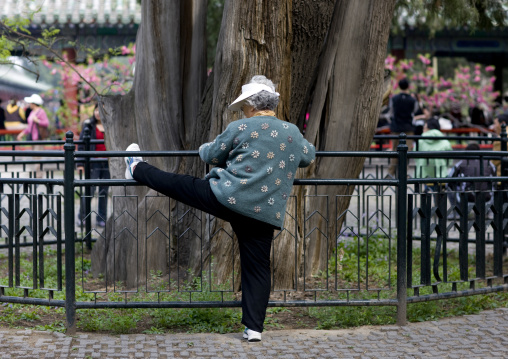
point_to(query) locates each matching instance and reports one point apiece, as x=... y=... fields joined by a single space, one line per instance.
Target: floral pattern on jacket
x=256 y=160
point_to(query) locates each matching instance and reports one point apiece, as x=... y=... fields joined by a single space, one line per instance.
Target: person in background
x=470 y=168
x=27 y=109
x=36 y=119
x=98 y=170
x=255 y=159
x=455 y=115
x=384 y=117
x=15 y=116
x=402 y=108
x=480 y=115
x=2 y=121
x=496 y=145
x=432 y=167
x=60 y=115
x=421 y=115
x=37 y=127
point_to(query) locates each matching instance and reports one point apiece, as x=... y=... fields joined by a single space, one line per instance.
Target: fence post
x=70 y=292
x=88 y=200
x=504 y=161
x=401 y=231
x=504 y=169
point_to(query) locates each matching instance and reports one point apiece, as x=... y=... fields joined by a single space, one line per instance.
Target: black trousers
x=254 y=237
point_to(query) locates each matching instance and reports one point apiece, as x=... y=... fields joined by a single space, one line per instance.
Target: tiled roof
x=75 y=11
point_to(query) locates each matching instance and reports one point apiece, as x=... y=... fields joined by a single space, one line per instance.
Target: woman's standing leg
x=254 y=237
x=255 y=242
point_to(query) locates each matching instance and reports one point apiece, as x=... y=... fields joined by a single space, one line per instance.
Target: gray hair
x=263 y=100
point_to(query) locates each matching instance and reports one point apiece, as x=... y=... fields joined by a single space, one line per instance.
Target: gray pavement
x=471 y=336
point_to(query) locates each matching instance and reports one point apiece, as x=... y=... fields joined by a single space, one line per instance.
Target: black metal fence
x=43 y=247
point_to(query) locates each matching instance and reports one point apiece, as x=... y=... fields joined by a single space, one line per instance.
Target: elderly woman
x=255 y=161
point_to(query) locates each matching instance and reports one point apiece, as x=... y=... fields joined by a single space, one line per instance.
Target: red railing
x=454 y=131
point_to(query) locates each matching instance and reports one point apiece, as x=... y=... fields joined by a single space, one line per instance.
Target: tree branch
x=55 y=53
x=23 y=67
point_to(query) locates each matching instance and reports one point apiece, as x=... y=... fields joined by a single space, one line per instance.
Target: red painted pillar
x=70 y=91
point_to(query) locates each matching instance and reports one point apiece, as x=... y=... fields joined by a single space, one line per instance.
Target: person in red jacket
x=98 y=170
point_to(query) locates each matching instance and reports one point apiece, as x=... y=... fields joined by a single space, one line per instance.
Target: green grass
x=344 y=264
x=353 y=252
x=346 y=317
x=112 y=321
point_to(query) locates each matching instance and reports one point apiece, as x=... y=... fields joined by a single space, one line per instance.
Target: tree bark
x=255 y=39
x=310 y=24
x=346 y=102
x=281 y=39
x=159 y=114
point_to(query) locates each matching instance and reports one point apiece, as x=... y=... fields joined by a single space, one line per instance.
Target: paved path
x=470 y=336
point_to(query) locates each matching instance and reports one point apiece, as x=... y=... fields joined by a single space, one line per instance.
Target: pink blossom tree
x=111 y=75
x=470 y=86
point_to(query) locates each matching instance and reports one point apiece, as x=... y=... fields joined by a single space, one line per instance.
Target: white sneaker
x=131 y=161
x=251 y=335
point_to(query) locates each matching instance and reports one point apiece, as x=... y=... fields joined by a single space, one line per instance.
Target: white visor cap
x=247 y=91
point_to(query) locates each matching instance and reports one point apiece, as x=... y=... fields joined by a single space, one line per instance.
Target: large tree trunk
x=311 y=22
x=350 y=67
x=281 y=39
x=346 y=104
x=255 y=38
x=159 y=114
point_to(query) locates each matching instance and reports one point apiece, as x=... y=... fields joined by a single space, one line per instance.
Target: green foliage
x=105 y=76
x=50 y=33
x=13 y=314
x=30 y=316
x=49 y=37
x=352 y=253
x=421 y=312
x=272 y=321
x=437 y=14
x=13 y=30
x=10 y=313
x=224 y=320
x=345 y=317
x=18 y=24
x=57 y=326
x=154 y=330
x=196 y=320
x=6 y=48
x=110 y=320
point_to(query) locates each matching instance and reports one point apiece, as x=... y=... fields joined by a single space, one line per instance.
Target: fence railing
x=38 y=226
